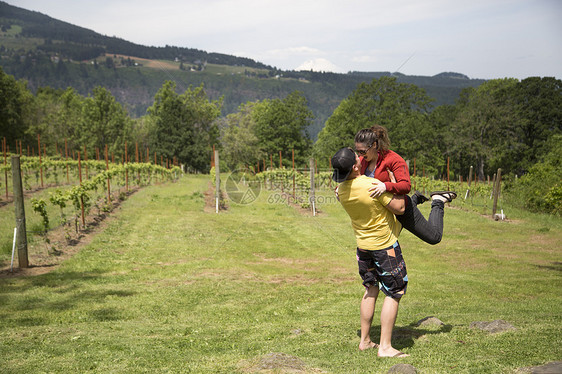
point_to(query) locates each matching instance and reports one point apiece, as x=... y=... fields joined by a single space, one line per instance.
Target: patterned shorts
x=384 y=268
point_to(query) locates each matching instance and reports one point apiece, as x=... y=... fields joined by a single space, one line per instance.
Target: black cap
x=342 y=163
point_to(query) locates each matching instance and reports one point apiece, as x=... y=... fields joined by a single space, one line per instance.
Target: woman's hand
x=378 y=189
x=391 y=175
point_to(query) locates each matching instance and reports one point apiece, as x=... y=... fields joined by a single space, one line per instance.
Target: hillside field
x=172 y=287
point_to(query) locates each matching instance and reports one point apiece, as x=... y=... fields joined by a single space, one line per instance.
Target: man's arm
x=397 y=205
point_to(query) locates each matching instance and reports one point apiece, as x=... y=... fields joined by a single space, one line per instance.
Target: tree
x=57 y=116
x=483 y=133
x=538 y=102
x=70 y=117
x=440 y=119
x=241 y=146
x=401 y=108
x=184 y=126
x=280 y=125
x=105 y=122
x=15 y=104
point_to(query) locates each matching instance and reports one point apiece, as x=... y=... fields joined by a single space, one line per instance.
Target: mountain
x=48 y=52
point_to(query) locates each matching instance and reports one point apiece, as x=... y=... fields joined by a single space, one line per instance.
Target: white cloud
x=321 y=65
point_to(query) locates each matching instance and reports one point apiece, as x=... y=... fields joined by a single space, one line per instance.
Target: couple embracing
x=374 y=186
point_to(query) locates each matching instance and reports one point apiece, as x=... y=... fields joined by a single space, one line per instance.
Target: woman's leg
x=430 y=230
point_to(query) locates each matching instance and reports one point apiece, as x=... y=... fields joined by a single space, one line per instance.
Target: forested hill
x=48 y=52
x=78 y=43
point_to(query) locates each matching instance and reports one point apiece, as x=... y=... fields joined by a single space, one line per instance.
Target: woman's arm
x=392 y=164
x=402 y=185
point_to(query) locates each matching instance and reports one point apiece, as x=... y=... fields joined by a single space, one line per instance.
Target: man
x=379 y=256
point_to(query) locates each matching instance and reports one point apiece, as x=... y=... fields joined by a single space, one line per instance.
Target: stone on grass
x=281 y=361
x=554 y=367
x=430 y=321
x=403 y=369
x=496 y=326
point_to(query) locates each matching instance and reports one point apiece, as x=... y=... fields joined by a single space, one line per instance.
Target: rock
x=276 y=361
x=499 y=217
x=403 y=369
x=496 y=326
x=430 y=321
x=554 y=367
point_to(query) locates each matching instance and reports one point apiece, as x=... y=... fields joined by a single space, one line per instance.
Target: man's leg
x=367 y=310
x=388 y=318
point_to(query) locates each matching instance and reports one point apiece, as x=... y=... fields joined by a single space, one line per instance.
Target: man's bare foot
x=367 y=345
x=391 y=352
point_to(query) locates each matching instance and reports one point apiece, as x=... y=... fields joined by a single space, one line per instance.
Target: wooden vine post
x=81 y=197
x=330 y=179
x=281 y=167
x=155 y=164
x=5 y=163
x=294 y=178
x=21 y=235
x=66 y=159
x=127 y=171
x=469 y=182
x=137 y=161
x=271 y=166
x=217 y=182
x=497 y=191
x=86 y=160
x=493 y=186
x=107 y=169
x=40 y=164
x=312 y=197
x=448 y=175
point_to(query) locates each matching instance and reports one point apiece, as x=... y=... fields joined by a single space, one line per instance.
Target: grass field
x=168 y=287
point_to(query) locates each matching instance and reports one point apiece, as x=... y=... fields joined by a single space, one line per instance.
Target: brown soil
x=63 y=243
x=210 y=200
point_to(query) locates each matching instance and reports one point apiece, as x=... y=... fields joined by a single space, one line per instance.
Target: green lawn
x=170 y=288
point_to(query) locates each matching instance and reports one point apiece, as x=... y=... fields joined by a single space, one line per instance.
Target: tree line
x=502 y=123
x=182 y=126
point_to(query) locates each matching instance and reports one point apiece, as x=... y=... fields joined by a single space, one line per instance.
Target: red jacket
x=395 y=164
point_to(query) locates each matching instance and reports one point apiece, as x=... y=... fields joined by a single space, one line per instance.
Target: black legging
x=430 y=230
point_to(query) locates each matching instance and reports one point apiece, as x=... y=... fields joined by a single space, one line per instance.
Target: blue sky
x=482 y=39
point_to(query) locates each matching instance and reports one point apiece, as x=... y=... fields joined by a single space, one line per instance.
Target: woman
x=378 y=161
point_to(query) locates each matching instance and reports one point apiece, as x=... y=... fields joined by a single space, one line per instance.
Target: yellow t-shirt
x=375 y=226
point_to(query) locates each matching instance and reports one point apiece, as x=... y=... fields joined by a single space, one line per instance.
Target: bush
x=539 y=190
x=553 y=200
